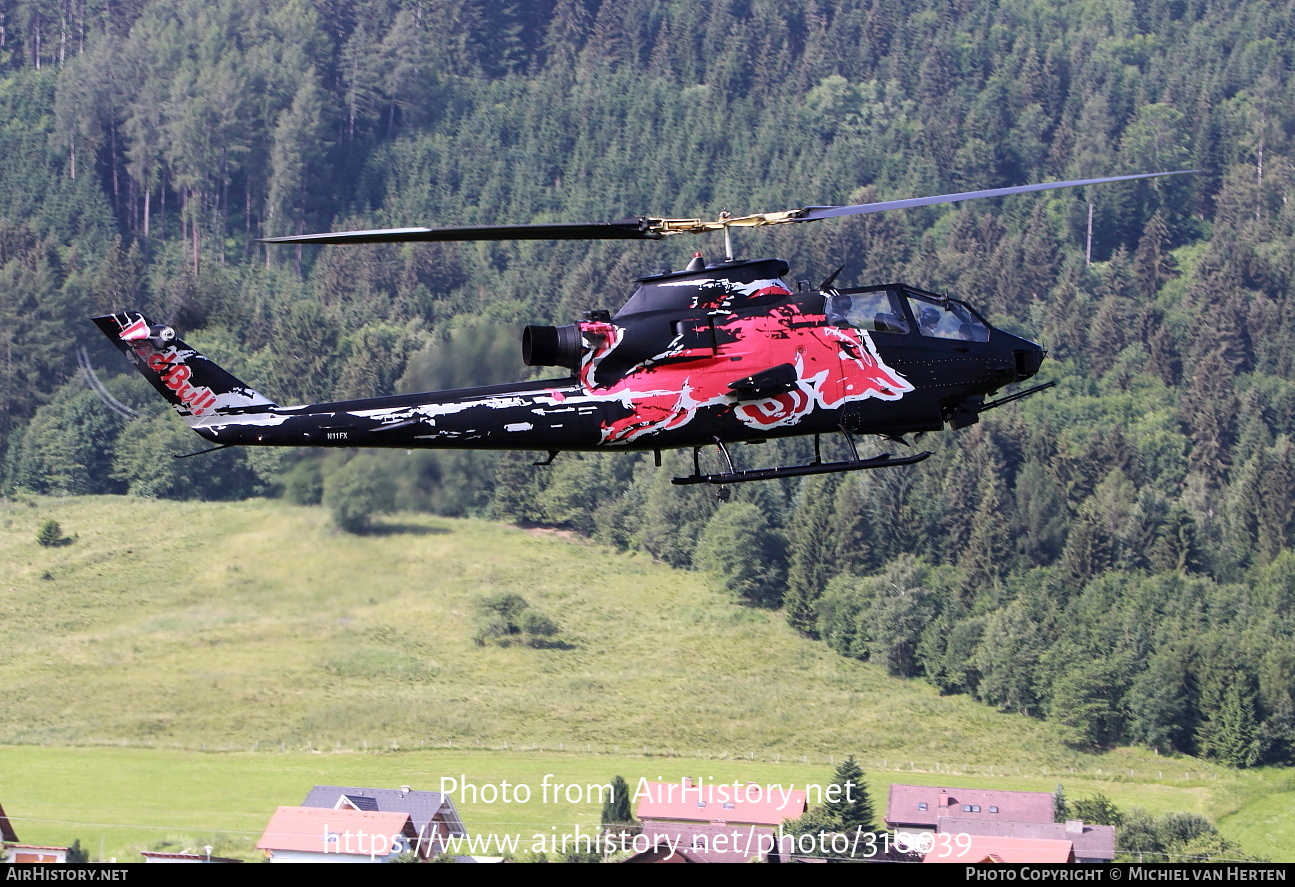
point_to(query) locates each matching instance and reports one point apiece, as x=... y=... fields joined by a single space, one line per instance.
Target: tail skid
x=198 y=389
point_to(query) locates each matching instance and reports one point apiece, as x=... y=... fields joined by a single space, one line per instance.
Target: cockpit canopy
x=899 y=310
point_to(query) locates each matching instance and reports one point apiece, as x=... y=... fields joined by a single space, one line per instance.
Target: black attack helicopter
x=716 y=354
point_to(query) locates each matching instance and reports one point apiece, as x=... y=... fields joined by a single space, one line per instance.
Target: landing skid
x=885 y=460
x=733 y=476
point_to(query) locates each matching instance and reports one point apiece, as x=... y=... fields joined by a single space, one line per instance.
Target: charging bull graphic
x=833 y=366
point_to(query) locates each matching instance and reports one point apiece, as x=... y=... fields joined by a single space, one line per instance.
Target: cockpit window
x=948 y=320
x=879 y=311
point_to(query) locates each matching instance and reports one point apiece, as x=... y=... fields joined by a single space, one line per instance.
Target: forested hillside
x=1114 y=555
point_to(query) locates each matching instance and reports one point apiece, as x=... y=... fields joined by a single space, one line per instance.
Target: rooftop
x=422 y=807
x=687 y=801
x=926 y=805
x=1090 y=841
x=985 y=848
x=344 y=832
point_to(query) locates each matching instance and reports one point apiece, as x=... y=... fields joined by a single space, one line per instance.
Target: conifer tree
x=1153 y=265
x=616 y=809
x=812 y=552
x=50 y=534
x=847 y=809
x=1060 y=807
x=852 y=806
x=1229 y=732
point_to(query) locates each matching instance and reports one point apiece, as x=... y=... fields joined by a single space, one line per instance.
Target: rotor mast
x=661 y=228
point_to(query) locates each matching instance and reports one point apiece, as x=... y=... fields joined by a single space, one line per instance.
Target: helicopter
x=715 y=354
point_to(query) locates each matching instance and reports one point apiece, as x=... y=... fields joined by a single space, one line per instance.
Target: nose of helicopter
x=1027 y=356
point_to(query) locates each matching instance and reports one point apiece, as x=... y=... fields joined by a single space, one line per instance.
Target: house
x=432 y=813
x=1091 y=843
x=919 y=808
x=320 y=834
x=33 y=853
x=994 y=815
x=724 y=822
x=987 y=849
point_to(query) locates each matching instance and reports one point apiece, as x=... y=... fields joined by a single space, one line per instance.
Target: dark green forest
x=1116 y=555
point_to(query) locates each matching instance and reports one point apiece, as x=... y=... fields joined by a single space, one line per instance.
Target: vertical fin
x=197 y=388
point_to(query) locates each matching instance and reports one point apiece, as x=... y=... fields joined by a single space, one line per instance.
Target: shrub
x=537 y=628
x=51 y=535
x=357 y=491
x=505 y=617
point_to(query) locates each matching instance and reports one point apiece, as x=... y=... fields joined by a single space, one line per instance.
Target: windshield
x=947 y=320
x=877 y=311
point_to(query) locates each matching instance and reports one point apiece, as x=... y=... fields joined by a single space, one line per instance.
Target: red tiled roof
x=905 y=803
x=1090 y=841
x=308 y=829
x=723 y=802
x=1010 y=850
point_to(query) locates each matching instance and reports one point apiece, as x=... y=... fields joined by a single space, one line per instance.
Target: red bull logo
x=833 y=366
x=175 y=374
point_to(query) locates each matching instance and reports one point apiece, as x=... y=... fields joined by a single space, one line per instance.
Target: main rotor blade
x=652 y=228
x=625 y=229
x=814 y=213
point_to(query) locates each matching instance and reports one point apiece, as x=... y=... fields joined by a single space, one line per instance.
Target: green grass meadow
x=181 y=669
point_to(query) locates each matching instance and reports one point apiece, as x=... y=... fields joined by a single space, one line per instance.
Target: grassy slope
x=255 y=625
